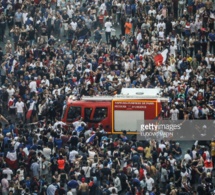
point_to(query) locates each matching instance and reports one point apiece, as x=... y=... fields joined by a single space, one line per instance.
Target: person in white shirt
x=91 y=153
x=8 y=172
x=108 y=26
x=192 y=89
x=86 y=170
x=212 y=59
x=205 y=111
x=149 y=182
x=161 y=34
x=161 y=145
x=69 y=192
x=72 y=155
x=117 y=182
x=143 y=76
x=192 y=27
x=176 y=82
x=187 y=157
x=194 y=152
x=45 y=81
x=188 y=70
x=69 y=66
x=174 y=113
x=184 y=178
x=57 y=89
x=74 y=25
x=58 y=123
x=47 y=152
x=172 y=160
x=195 y=112
x=33 y=85
x=10 y=91
x=68 y=88
x=159 y=16
x=152 y=12
x=70 y=10
x=78 y=123
x=173 y=49
x=102 y=8
x=20 y=108
x=184 y=77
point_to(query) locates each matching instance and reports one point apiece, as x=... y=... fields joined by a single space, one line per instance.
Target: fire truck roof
x=128 y=93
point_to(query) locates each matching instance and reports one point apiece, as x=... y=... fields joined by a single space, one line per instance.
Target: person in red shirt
x=61 y=163
x=38 y=81
x=141 y=173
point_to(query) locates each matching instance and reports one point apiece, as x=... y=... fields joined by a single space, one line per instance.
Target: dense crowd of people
x=54 y=49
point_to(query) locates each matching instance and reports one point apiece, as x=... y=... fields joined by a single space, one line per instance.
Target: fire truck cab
x=116 y=113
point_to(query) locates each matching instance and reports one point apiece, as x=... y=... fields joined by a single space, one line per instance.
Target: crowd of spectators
x=53 y=49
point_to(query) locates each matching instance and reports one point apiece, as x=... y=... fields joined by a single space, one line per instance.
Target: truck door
x=88 y=116
x=74 y=113
x=100 y=115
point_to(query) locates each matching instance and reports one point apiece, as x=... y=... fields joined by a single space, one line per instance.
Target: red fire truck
x=116 y=113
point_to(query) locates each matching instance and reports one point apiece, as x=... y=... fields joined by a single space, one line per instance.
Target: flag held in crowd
x=30 y=110
x=161 y=58
x=11 y=159
x=91 y=139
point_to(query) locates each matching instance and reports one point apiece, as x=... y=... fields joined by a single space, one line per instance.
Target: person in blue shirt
x=28 y=182
x=40 y=89
x=73 y=184
x=6 y=130
x=211 y=38
x=7 y=140
x=58 y=142
x=153 y=192
x=124 y=137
